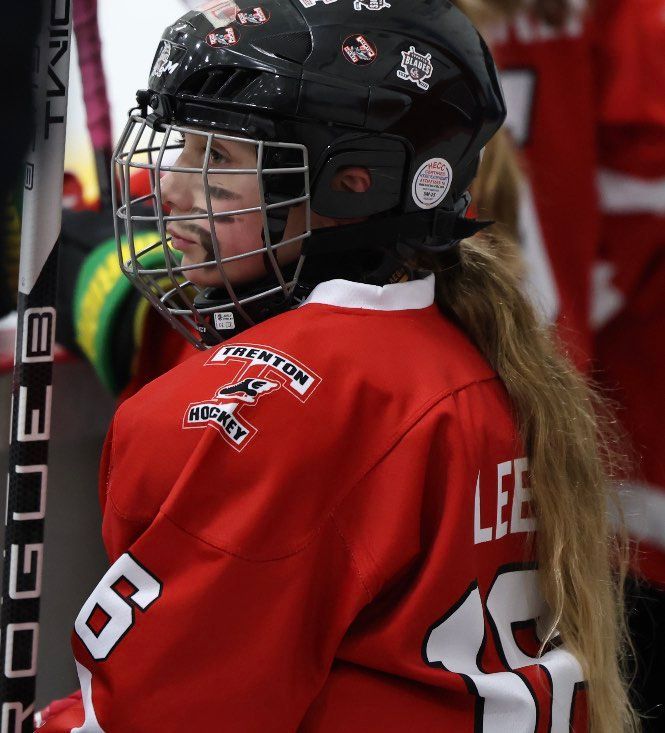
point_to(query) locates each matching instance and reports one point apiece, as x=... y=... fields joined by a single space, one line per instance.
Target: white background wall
x=130 y=31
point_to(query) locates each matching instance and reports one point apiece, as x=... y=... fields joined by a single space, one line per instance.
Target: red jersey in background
x=548 y=81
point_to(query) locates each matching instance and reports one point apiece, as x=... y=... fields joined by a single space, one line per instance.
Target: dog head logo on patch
x=222 y=37
x=358 y=50
x=248 y=390
x=416 y=67
x=255 y=371
x=370 y=4
x=312 y=3
x=255 y=16
x=163 y=64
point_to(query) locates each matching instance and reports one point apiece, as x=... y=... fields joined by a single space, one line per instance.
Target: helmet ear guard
x=384 y=158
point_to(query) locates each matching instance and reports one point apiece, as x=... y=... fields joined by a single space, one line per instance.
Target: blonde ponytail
x=568 y=438
x=568 y=431
x=496 y=189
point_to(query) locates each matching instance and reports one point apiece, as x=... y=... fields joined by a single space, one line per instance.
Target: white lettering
x=513 y=504
x=10 y=670
x=41 y=511
x=38 y=335
x=480 y=534
x=29 y=551
x=33 y=432
x=503 y=469
x=521 y=496
x=19 y=716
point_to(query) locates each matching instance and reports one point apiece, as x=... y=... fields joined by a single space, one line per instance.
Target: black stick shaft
x=31 y=391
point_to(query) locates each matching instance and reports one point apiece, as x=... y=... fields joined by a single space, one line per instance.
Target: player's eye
x=217 y=156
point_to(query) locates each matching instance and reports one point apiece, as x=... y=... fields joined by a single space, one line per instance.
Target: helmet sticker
x=163 y=64
x=224 y=321
x=223 y=37
x=215 y=11
x=370 y=4
x=416 y=67
x=358 y=50
x=312 y=3
x=255 y=16
x=432 y=182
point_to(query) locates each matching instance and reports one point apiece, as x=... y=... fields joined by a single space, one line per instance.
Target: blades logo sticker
x=416 y=67
x=261 y=371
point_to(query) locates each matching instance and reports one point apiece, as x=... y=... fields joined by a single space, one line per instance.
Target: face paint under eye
x=217 y=192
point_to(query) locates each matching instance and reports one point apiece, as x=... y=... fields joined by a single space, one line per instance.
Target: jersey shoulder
x=266 y=433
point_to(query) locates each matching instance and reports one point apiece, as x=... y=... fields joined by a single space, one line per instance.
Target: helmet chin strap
x=366 y=252
x=431 y=231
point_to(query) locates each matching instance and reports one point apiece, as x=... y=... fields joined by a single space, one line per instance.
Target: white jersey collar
x=401 y=296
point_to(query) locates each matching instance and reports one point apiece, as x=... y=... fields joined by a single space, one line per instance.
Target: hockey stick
x=31 y=391
x=95 y=97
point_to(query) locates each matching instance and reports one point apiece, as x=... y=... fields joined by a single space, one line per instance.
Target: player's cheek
x=247 y=187
x=239 y=234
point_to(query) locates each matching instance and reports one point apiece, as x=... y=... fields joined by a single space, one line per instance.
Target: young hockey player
x=376 y=499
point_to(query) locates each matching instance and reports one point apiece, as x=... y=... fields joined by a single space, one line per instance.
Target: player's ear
x=352 y=179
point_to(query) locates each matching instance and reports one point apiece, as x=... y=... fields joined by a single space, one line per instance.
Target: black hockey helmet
x=406 y=88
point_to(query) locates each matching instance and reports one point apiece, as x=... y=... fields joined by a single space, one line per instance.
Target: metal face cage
x=202 y=314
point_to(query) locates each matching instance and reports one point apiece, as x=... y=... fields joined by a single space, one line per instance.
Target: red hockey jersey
x=332 y=535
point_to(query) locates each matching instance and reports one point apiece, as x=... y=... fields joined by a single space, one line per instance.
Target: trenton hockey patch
x=261 y=372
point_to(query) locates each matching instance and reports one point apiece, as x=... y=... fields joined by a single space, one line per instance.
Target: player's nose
x=177 y=191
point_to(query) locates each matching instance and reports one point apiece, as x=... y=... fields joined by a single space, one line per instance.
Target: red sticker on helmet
x=358 y=50
x=255 y=16
x=223 y=37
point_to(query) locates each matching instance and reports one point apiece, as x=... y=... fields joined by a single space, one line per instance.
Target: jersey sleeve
x=180 y=635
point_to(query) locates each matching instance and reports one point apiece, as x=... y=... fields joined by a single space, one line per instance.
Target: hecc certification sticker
x=432 y=182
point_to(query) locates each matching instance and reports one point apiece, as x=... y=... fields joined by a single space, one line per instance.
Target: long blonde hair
x=569 y=439
x=495 y=190
x=567 y=428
